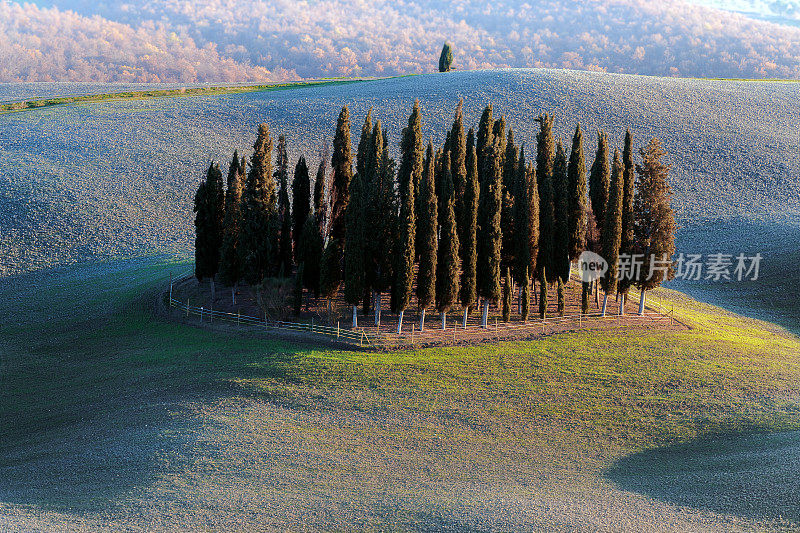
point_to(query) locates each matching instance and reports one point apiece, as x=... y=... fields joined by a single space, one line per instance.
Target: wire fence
x=453 y=333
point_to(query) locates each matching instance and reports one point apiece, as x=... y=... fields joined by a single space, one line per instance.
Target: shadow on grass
x=751 y=476
x=93 y=384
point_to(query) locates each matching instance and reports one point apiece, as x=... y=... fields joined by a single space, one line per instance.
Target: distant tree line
x=459 y=224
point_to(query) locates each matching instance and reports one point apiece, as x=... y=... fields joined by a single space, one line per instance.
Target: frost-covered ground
x=117 y=178
x=12 y=92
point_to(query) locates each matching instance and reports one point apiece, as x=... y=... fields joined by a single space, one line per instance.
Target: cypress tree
x=510 y=169
x=599 y=180
x=382 y=220
x=484 y=140
x=542 y=292
x=447 y=265
x=585 y=285
x=458 y=164
x=499 y=133
x=284 y=214
x=526 y=295
x=627 y=242
x=354 y=246
x=576 y=172
x=201 y=229
x=612 y=231
x=320 y=207
x=258 y=241
x=342 y=163
x=364 y=144
x=230 y=269
x=301 y=202
x=561 y=211
x=469 y=224
x=489 y=232
x=310 y=254
x=210 y=214
x=545 y=153
x=507 y=296
x=427 y=238
x=446 y=58
x=410 y=173
x=527 y=219
x=654 y=226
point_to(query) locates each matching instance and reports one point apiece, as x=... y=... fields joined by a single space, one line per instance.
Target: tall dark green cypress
x=599 y=180
x=545 y=154
x=489 y=232
x=627 y=242
x=342 y=163
x=409 y=174
x=320 y=205
x=284 y=266
x=354 y=271
x=310 y=254
x=301 y=202
x=364 y=144
x=469 y=227
x=484 y=140
x=447 y=265
x=259 y=243
x=458 y=163
x=446 y=58
x=561 y=210
x=382 y=220
x=612 y=230
x=230 y=268
x=576 y=172
x=427 y=223
x=527 y=219
x=510 y=169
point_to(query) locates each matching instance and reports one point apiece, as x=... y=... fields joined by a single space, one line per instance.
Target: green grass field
x=108 y=410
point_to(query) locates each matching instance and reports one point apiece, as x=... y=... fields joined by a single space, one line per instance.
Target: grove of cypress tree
x=301 y=202
x=284 y=266
x=230 y=268
x=427 y=238
x=258 y=242
x=654 y=226
x=446 y=58
x=409 y=174
x=599 y=180
x=576 y=171
x=447 y=265
x=484 y=140
x=342 y=163
x=627 y=242
x=612 y=231
x=507 y=296
x=354 y=246
x=469 y=226
x=489 y=232
x=545 y=153
x=561 y=210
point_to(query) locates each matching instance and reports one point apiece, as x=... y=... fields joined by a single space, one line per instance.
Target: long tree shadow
x=753 y=476
x=93 y=384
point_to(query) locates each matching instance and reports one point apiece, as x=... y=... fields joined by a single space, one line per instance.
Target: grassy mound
x=117 y=414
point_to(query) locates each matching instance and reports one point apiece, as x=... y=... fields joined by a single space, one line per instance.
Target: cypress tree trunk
x=543 y=295
x=507 y=297
x=485 y=313
x=400 y=321
x=466 y=313
x=560 y=297
x=605 y=303
x=526 y=297
x=233 y=295
x=641 y=303
x=585 y=290
x=355 y=316
x=622 y=305
x=377 y=309
x=422 y=320
x=444 y=320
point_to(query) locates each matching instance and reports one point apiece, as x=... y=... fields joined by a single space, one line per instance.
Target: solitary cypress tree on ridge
x=469 y=223
x=427 y=238
x=576 y=172
x=410 y=173
x=301 y=202
x=446 y=58
x=612 y=231
x=447 y=281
